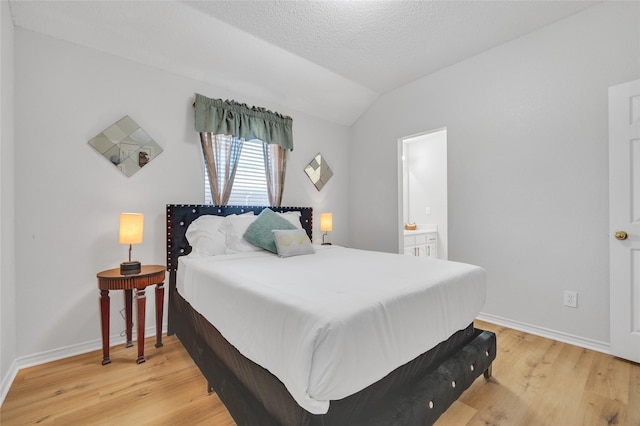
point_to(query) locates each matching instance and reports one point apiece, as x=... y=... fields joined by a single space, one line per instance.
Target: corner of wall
x=8 y=331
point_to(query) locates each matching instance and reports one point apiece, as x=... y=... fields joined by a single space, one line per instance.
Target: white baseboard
x=7 y=381
x=560 y=336
x=64 y=352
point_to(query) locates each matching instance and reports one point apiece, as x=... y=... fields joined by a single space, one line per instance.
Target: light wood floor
x=535 y=381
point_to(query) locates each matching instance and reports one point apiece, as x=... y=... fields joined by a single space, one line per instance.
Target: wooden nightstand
x=112 y=280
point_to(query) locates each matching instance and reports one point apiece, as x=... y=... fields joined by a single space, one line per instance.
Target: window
x=250 y=184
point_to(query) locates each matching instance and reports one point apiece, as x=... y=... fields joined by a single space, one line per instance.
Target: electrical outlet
x=571 y=298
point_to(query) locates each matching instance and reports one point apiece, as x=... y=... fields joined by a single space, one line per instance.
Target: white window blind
x=250 y=184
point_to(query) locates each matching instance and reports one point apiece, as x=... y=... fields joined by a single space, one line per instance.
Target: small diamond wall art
x=318 y=171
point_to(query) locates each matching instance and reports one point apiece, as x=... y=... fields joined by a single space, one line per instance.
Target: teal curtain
x=232 y=118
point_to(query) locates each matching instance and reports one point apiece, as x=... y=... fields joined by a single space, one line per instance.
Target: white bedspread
x=330 y=324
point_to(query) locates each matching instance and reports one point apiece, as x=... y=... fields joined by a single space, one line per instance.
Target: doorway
x=422 y=186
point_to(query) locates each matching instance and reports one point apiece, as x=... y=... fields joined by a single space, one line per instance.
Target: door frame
x=442 y=233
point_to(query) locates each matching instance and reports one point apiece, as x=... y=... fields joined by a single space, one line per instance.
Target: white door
x=624 y=219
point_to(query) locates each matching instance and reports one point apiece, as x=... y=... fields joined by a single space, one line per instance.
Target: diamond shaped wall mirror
x=318 y=171
x=126 y=146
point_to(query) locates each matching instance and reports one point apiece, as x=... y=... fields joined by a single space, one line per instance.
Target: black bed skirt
x=416 y=393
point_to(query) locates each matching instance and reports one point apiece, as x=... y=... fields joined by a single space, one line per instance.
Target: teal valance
x=241 y=121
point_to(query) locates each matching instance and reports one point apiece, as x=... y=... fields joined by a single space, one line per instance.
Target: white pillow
x=233 y=227
x=292 y=242
x=293 y=217
x=204 y=238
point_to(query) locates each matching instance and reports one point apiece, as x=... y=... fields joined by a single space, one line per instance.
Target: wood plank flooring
x=535 y=381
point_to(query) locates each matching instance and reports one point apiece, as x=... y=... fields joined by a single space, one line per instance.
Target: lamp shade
x=131 y=228
x=326 y=222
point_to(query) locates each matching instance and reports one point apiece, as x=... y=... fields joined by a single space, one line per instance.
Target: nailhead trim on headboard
x=180 y=216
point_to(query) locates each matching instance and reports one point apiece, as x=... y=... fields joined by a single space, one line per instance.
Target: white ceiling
x=330 y=59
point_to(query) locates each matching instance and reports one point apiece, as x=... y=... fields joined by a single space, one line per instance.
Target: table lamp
x=326 y=225
x=131 y=229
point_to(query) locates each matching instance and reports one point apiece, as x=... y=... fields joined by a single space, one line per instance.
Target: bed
x=256 y=391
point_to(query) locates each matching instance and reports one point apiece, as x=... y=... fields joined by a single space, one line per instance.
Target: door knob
x=621 y=235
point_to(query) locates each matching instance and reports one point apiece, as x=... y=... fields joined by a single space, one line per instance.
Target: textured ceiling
x=330 y=59
x=385 y=44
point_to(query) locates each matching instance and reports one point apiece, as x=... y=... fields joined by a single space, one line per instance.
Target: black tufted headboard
x=180 y=216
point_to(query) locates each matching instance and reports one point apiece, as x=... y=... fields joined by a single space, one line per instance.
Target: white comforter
x=329 y=324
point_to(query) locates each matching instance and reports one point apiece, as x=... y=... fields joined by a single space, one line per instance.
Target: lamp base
x=326 y=244
x=130 y=268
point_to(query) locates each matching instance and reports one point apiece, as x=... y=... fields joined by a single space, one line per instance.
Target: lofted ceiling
x=329 y=59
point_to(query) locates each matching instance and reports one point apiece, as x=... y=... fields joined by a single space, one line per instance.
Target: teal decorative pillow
x=259 y=232
x=292 y=242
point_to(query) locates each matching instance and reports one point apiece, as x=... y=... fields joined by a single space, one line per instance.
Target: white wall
x=528 y=172
x=7 y=268
x=69 y=197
